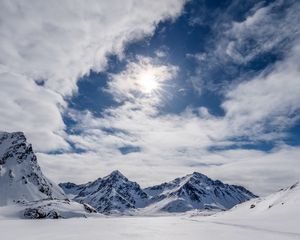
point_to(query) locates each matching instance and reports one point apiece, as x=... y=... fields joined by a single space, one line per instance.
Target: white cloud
x=266 y=29
x=31 y=108
x=161 y=53
x=267 y=103
x=59 y=41
x=198 y=56
x=266 y=32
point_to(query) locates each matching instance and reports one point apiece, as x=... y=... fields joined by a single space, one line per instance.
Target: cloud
x=33 y=109
x=267 y=30
x=161 y=53
x=268 y=103
x=198 y=56
x=56 y=43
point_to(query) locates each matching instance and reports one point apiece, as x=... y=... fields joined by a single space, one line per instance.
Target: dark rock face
x=39 y=213
x=88 y=208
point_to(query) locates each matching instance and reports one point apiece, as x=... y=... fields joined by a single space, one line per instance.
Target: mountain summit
x=111 y=194
x=196 y=191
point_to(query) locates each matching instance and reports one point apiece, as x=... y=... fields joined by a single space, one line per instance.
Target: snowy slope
x=111 y=194
x=276 y=216
x=196 y=191
x=287 y=199
x=21 y=178
x=282 y=207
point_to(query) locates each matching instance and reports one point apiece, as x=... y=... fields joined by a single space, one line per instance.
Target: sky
x=155 y=89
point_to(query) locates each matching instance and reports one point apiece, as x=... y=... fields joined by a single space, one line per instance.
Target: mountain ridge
x=197 y=191
x=193 y=191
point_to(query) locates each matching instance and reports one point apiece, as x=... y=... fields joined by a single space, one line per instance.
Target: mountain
x=196 y=191
x=24 y=189
x=21 y=178
x=111 y=194
x=116 y=194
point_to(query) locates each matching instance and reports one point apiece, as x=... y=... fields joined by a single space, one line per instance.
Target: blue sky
x=156 y=90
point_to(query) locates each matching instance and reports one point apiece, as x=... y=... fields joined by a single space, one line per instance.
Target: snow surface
x=164 y=228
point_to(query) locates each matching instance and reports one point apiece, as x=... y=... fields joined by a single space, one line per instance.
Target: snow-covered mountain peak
x=117 y=173
x=199 y=175
x=21 y=178
x=113 y=193
x=115 y=176
x=196 y=191
x=10 y=142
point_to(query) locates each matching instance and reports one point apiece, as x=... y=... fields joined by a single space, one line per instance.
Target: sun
x=149 y=82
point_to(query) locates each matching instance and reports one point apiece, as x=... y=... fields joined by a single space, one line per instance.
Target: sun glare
x=149 y=82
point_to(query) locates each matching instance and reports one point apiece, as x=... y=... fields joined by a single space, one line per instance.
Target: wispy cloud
x=271 y=29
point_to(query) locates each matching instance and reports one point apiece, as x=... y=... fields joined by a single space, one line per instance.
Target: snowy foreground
x=172 y=227
x=274 y=217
